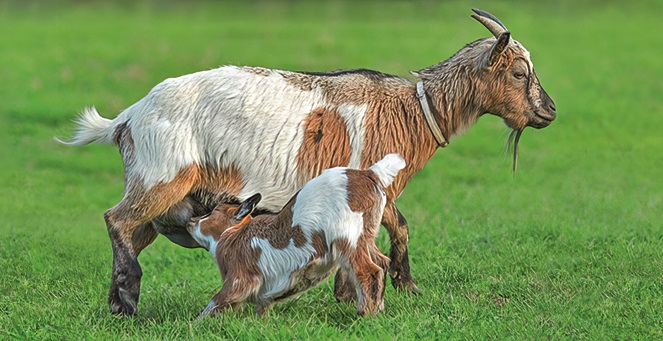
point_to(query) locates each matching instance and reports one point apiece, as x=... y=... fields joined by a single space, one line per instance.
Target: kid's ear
x=248 y=206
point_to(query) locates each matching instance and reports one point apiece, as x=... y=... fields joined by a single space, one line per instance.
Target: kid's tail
x=387 y=168
x=91 y=127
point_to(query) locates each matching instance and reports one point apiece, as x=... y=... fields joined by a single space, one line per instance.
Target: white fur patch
x=204 y=240
x=276 y=265
x=353 y=116
x=387 y=168
x=323 y=205
x=526 y=53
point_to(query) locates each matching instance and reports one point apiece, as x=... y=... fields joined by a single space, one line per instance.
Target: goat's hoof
x=345 y=293
x=209 y=311
x=122 y=301
x=125 y=304
x=407 y=286
x=348 y=297
x=367 y=312
x=122 y=308
x=344 y=289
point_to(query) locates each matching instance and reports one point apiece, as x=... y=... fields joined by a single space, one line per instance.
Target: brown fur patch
x=163 y=195
x=326 y=143
x=319 y=242
x=227 y=180
x=139 y=205
x=363 y=194
x=341 y=246
x=279 y=235
x=238 y=264
x=362 y=187
x=396 y=124
x=219 y=220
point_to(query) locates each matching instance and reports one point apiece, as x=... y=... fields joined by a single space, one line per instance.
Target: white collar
x=430 y=120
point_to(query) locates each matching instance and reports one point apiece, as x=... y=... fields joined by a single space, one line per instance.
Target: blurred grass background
x=572 y=247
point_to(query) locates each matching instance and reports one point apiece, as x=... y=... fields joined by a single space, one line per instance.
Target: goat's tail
x=387 y=168
x=91 y=127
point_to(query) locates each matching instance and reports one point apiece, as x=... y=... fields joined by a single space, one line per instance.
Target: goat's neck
x=452 y=94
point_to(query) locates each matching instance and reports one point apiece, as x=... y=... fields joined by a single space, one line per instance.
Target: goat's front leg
x=233 y=293
x=345 y=289
x=399 y=270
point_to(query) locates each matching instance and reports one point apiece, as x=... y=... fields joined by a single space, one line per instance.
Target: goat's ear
x=248 y=206
x=497 y=48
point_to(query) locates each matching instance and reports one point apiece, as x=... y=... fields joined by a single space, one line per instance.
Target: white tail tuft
x=91 y=127
x=387 y=168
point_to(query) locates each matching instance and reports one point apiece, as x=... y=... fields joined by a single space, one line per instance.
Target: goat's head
x=490 y=75
x=507 y=84
x=225 y=216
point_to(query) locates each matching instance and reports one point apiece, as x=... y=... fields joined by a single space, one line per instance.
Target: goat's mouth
x=541 y=119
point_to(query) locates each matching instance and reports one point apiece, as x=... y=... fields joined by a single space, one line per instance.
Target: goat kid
x=332 y=222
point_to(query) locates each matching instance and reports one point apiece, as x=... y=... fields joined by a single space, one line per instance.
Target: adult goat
x=224 y=134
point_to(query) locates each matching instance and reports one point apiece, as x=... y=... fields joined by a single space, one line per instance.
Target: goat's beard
x=512 y=141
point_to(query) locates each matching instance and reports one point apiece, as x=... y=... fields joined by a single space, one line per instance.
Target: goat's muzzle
x=542 y=118
x=544 y=114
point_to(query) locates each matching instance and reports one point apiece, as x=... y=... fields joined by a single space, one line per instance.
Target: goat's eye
x=519 y=75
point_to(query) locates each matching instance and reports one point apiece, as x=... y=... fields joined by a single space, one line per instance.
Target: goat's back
x=247 y=120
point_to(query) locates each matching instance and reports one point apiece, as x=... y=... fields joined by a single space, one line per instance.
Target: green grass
x=572 y=247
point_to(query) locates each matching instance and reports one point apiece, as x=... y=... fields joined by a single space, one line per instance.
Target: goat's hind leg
x=370 y=279
x=127 y=241
x=344 y=287
x=130 y=230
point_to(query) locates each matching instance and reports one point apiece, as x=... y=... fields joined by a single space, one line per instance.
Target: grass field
x=571 y=247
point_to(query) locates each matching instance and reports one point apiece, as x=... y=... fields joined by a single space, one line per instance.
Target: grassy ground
x=572 y=247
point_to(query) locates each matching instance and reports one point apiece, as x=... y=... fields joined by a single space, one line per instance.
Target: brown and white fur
x=222 y=135
x=332 y=222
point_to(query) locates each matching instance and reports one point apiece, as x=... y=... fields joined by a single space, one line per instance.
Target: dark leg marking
x=399 y=269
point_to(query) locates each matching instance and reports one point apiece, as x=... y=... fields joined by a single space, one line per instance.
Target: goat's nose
x=552 y=107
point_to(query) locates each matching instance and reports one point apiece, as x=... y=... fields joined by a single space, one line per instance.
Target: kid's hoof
x=346 y=296
x=344 y=290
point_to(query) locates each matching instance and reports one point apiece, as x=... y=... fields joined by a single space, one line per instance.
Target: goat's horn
x=491 y=22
